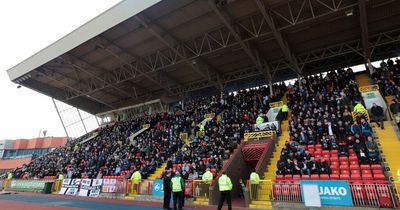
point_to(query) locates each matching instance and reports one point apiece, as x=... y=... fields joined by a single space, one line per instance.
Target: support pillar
x=370 y=67
x=62 y=122
x=271 y=91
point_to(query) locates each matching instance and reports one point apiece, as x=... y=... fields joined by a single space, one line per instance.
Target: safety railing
x=132 y=188
x=6 y=184
x=146 y=126
x=201 y=189
x=363 y=113
x=261 y=191
x=374 y=195
x=258 y=135
x=368 y=88
x=276 y=104
x=185 y=138
x=288 y=192
x=396 y=185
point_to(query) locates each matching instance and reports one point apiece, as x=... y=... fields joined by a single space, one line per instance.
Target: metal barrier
x=257 y=135
x=185 y=138
x=200 y=189
x=261 y=191
x=289 y=192
x=363 y=113
x=146 y=126
x=132 y=188
x=368 y=88
x=276 y=104
x=57 y=185
x=374 y=195
x=6 y=184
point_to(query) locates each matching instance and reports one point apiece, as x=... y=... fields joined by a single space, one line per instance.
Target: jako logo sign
x=332 y=191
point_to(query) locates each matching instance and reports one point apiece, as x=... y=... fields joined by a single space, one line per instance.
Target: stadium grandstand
x=226 y=86
x=15 y=153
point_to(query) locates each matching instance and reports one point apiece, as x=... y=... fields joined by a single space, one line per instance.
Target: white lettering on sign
x=337 y=191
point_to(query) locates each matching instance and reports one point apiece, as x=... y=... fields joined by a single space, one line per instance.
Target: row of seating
x=342 y=176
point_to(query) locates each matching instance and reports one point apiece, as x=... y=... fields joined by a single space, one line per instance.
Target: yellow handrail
x=276 y=104
x=364 y=113
x=263 y=191
x=368 y=88
x=201 y=189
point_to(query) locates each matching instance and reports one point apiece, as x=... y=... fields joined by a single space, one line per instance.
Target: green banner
x=28 y=184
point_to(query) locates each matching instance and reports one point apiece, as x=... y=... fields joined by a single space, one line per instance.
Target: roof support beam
x=283 y=44
x=73 y=89
x=75 y=62
x=143 y=20
x=254 y=56
x=364 y=28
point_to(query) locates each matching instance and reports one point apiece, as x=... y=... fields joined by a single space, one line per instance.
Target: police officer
x=167 y=189
x=225 y=187
x=177 y=185
x=254 y=181
x=136 y=178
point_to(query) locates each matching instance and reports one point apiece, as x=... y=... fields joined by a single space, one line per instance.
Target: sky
x=26 y=28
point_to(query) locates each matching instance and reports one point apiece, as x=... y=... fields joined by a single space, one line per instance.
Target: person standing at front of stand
x=177 y=185
x=167 y=189
x=225 y=187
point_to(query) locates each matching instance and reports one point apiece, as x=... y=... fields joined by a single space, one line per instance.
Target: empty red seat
x=279 y=177
x=333 y=158
x=305 y=177
x=377 y=171
x=318 y=152
x=353 y=162
x=364 y=166
x=317 y=157
x=355 y=166
x=296 y=177
x=376 y=167
x=355 y=176
x=379 y=177
x=353 y=158
x=334 y=152
x=344 y=171
x=325 y=152
x=324 y=176
x=311 y=151
x=311 y=146
x=318 y=146
x=288 y=177
x=335 y=171
x=326 y=156
x=344 y=162
x=344 y=176
x=355 y=171
x=314 y=176
x=367 y=177
x=351 y=151
x=365 y=171
x=341 y=167
x=334 y=176
x=343 y=158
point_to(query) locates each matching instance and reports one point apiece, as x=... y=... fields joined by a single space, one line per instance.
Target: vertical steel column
x=62 y=122
x=80 y=117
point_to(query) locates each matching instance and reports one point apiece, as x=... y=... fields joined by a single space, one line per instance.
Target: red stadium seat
x=351 y=158
x=355 y=167
x=288 y=177
x=333 y=158
x=353 y=162
x=279 y=177
x=318 y=146
x=334 y=152
x=343 y=158
x=296 y=177
x=364 y=166
x=355 y=171
x=311 y=151
x=377 y=171
x=341 y=167
x=366 y=171
x=311 y=147
x=379 y=177
x=344 y=171
x=344 y=162
x=324 y=176
x=314 y=176
x=318 y=152
x=367 y=177
x=305 y=177
x=334 y=176
x=351 y=151
x=335 y=171
x=326 y=156
x=376 y=167
x=327 y=152
x=345 y=176
x=355 y=177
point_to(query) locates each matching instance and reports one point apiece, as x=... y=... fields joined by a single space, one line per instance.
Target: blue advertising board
x=332 y=192
x=158 y=187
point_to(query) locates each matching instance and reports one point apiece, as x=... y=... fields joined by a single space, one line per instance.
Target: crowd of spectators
x=113 y=153
x=388 y=77
x=321 y=114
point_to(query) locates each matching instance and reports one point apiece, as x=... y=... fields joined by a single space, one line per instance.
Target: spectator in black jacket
x=377 y=113
x=167 y=189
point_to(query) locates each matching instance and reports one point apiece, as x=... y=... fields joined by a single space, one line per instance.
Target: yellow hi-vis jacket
x=224 y=183
x=202 y=127
x=177 y=184
x=259 y=120
x=208 y=177
x=136 y=177
x=285 y=108
x=254 y=178
x=60 y=177
x=398 y=174
x=359 y=108
x=10 y=176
